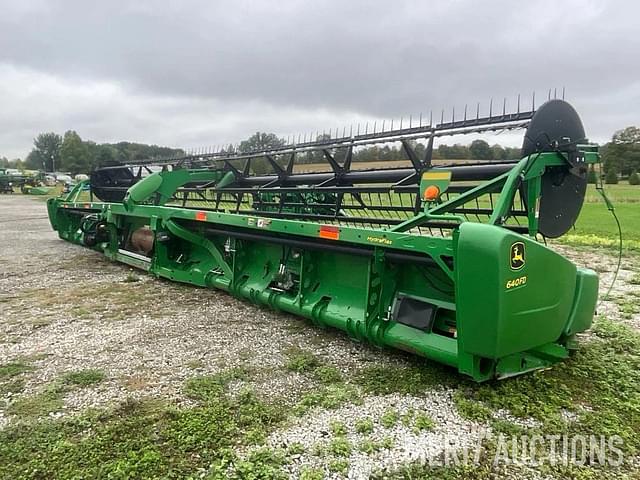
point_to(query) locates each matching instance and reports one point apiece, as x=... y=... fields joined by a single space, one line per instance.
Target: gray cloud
x=201 y=72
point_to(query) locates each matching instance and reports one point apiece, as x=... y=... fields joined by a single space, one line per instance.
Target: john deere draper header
x=445 y=261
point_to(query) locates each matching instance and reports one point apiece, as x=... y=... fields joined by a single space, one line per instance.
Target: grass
x=329 y=397
x=295 y=448
x=412 y=379
x=369 y=446
x=12 y=386
x=596 y=226
x=150 y=438
x=333 y=391
x=145 y=438
x=621 y=192
x=327 y=374
x=301 y=360
x=32 y=407
x=264 y=463
x=599 y=385
x=340 y=447
x=13 y=369
x=364 y=426
x=37 y=405
x=423 y=422
x=629 y=309
x=312 y=474
x=339 y=466
x=338 y=429
x=209 y=387
x=84 y=378
x=12 y=377
x=610 y=403
x=389 y=418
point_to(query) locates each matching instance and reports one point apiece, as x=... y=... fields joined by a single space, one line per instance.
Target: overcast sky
x=199 y=73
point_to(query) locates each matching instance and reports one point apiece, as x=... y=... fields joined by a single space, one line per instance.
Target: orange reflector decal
x=432 y=192
x=330 y=232
x=202 y=216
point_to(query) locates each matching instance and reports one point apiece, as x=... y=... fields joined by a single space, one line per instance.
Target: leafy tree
x=229 y=149
x=45 y=153
x=498 y=152
x=84 y=156
x=420 y=149
x=74 y=154
x=634 y=178
x=480 y=150
x=101 y=155
x=257 y=142
x=453 y=152
x=105 y=155
x=629 y=135
x=315 y=156
x=622 y=154
x=513 y=152
x=4 y=162
x=592 y=176
x=129 y=151
x=611 y=177
x=260 y=141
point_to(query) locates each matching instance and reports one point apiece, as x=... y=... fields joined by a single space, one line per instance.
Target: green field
x=596 y=225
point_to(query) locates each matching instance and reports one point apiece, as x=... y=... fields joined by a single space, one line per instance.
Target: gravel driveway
x=65 y=308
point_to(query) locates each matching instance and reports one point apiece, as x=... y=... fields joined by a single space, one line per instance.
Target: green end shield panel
x=512 y=293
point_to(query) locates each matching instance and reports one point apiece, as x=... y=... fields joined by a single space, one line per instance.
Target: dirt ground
x=64 y=308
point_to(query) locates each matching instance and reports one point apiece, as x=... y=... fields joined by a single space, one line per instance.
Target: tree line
x=621 y=156
x=69 y=153
x=52 y=152
x=477 y=150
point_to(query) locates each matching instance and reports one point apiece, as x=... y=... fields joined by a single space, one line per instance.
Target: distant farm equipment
x=11 y=179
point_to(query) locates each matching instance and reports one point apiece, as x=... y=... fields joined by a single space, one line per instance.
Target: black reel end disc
x=110 y=184
x=556 y=127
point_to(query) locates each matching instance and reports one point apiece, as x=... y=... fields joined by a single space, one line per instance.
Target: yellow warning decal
x=436 y=175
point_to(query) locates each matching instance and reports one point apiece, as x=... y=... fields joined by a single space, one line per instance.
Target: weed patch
x=301 y=360
x=37 y=405
x=411 y=380
x=10 y=370
x=144 y=438
x=84 y=378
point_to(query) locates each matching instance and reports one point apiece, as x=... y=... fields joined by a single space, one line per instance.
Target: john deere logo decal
x=517 y=256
